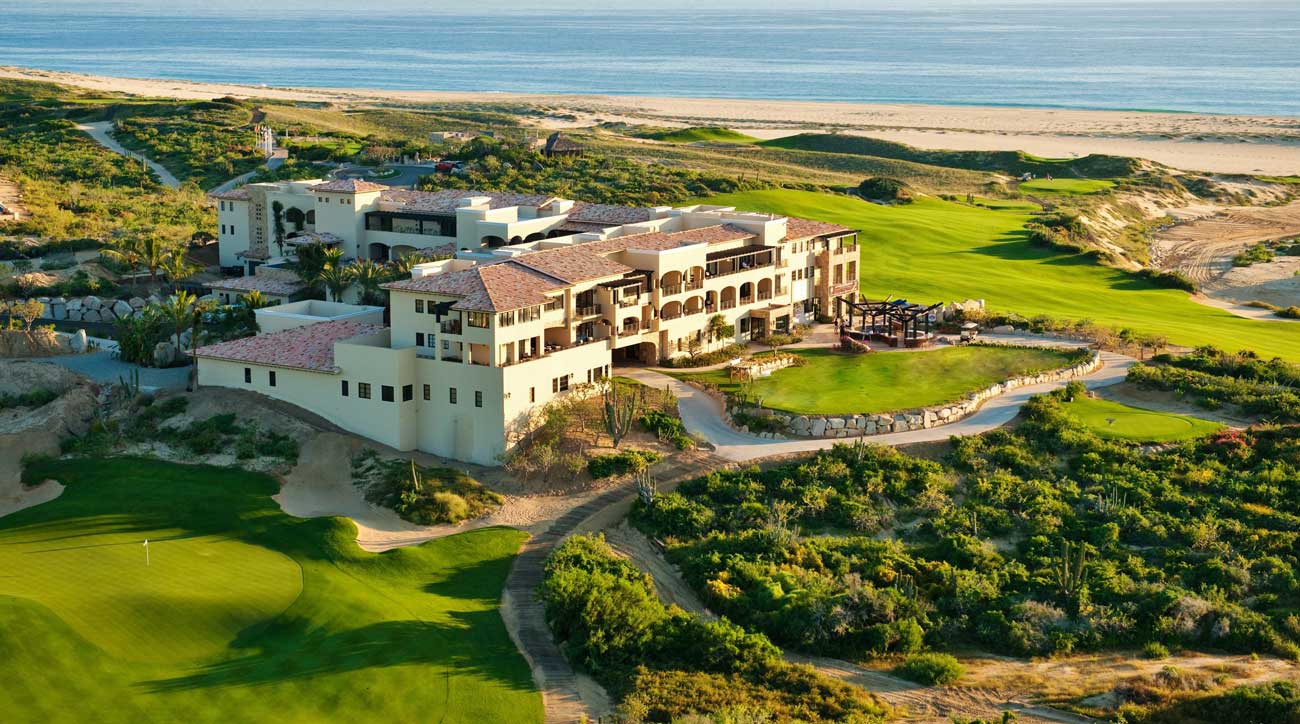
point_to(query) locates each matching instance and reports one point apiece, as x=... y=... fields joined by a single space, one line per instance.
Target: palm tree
x=253 y=300
x=277 y=216
x=178 y=267
x=153 y=249
x=369 y=275
x=179 y=310
x=126 y=253
x=336 y=279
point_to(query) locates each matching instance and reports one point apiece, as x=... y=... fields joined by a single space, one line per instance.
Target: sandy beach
x=1192 y=141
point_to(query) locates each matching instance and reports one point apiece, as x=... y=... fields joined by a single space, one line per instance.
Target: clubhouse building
x=534 y=296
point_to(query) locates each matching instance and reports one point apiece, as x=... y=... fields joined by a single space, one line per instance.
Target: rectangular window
x=345 y=388
x=270 y=375
x=532 y=394
x=430 y=340
x=419 y=339
x=478 y=398
x=408 y=393
x=363 y=390
x=451 y=397
x=479 y=319
x=560 y=384
x=248 y=375
x=427 y=393
x=419 y=306
x=386 y=393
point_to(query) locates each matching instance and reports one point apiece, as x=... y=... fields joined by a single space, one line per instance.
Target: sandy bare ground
x=37 y=431
x=1236 y=144
x=1203 y=250
x=10 y=199
x=321 y=485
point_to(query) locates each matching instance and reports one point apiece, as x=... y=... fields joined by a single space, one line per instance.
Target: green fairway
x=933 y=250
x=713 y=134
x=1120 y=422
x=1066 y=186
x=832 y=383
x=242 y=612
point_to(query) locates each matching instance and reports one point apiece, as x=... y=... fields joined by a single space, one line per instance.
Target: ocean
x=1222 y=57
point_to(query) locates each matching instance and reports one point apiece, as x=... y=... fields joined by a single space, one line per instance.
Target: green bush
x=668 y=429
x=883 y=189
x=706 y=359
x=621 y=463
x=448 y=507
x=930 y=669
x=37 y=397
x=1155 y=650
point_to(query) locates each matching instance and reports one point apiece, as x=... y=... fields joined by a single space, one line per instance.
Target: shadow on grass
x=391 y=643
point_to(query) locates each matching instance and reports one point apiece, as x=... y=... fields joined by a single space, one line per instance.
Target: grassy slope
x=713 y=134
x=244 y=613
x=1136 y=424
x=832 y=383
x=1066 y=186
x=934 y=250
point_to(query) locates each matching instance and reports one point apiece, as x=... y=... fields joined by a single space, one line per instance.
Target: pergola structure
x=895 y=321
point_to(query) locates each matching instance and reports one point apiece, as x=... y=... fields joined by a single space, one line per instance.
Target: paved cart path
x=99 y=131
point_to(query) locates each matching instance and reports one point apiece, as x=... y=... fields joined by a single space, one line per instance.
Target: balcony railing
x=668 y=290
x=697 y=284
x=764 y=296
x=728 y=272
x=746 y=300
x=670 y=315
x=450 y=327
x=629 y=331
x=590 y=310
x=629 y=301
x=729 y=304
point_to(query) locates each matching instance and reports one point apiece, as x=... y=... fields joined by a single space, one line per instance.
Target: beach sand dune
x=1192 y=141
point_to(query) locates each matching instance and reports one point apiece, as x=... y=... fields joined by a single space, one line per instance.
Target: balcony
x=669 y=290
x=452 y=327
x=589 y=310
x=729 y=304
x=670 y=316
x=630 y=331
x=735 y=261
x=629 y=301
x=764 y=296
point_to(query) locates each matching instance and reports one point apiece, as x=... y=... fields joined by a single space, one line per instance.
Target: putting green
x=243 y=614
x=145 y=612
x=1067 y=186
x=1116 y=421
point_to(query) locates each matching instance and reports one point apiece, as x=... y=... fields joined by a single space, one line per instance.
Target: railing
x=666 y=316
x=692 y=286
x=728 y=305
x=710 y=307
x=764 y=296
x=669 y=290
x=746 y=300
x=752 y=267
x=629 y=301
x=590 y=310
x=629 y=331
x=450 y=327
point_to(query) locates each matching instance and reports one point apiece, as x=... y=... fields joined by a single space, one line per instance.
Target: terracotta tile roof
x=573 y=263
x=349 y=186
x=797 y=228
x=608 y=214
x=496 y=287
x=315 y=237
x=310 y=347
x=447 y=200
x=239 y=194
x=262 y=284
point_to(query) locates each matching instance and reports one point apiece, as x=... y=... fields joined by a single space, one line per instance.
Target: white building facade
x=541 y=297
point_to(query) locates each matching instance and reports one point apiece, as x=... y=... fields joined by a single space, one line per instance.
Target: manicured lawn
x=1120 y=422
x=832 y=383
x=933 y=250
x=1066 y=186
x=242 y=613
x=712 y=134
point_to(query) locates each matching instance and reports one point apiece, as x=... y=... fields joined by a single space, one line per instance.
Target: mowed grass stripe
x=934 y=250
x=409 y=635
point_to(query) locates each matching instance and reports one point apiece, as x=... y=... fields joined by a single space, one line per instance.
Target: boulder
x=818 y=428
x=92 y=302
x=122 y=309
x=91 y=315
x=136 y=303
x=1004 y=329
x=74 y=306
x=77 y=341
x=836 y=423
x=164 y=354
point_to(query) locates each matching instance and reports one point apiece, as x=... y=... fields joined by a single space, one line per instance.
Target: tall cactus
x=618 y=411
x=647 y=488
x=1070 y=572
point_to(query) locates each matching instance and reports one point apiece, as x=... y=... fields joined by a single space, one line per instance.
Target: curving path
x=99 y=131
x=702 y=414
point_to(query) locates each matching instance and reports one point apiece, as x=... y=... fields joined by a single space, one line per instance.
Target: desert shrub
x=930 y=669
x=1276 y=702
x=1258 y=254
x=37 y=397
x=879 y=188
x=667 y=428
x=757 y=423
x=1292 y=312
x=1169 y=279
x=621 y=463
x=706 y=359
x=1155 y=650
x=427 y=496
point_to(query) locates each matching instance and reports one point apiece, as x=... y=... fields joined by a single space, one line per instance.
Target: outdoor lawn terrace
x=837 y=383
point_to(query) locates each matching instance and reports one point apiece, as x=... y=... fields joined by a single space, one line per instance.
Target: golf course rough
x=242 y=613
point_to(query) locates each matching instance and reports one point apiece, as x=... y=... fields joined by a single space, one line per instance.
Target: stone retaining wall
x=842 y=426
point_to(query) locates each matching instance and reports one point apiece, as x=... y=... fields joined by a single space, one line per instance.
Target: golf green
x=833 y=383
x=1066 y=186
x=242 y=613
x=1117 y=421
x=933 y=250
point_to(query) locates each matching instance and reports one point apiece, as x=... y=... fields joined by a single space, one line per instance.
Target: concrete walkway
x=103 y=368
x=99 y=130
x=702 y=413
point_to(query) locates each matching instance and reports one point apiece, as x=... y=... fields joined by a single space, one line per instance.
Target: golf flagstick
x=146 y=551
